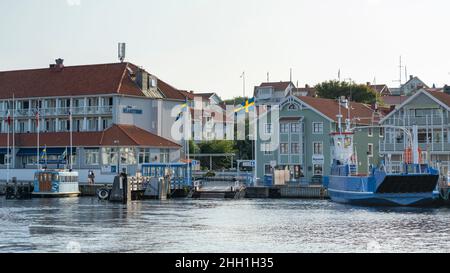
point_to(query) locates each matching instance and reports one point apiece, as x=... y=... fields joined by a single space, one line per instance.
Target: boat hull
x=55 y=195
x=388 y=200
x=384 y=190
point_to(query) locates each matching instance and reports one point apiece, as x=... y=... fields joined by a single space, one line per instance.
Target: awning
x=50 y=151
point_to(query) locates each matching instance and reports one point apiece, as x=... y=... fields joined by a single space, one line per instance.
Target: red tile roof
x=382 y=89
x=68 y=81
x=441 y=96
x=188 y=94
x=128 y=135
x=276 y=85
x=169 y=91
x=394 y=100
x=330 y=108
x=310 y=91
x=97 y=79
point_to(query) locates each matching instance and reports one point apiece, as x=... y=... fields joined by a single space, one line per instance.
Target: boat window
x=55 y=177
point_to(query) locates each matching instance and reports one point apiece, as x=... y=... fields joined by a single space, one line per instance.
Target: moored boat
x=410 y=184
x=56 y=183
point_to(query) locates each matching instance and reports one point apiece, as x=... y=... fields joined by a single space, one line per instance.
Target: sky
x=205 y=45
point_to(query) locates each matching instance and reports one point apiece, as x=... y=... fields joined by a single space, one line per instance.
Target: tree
x=217 y=147
x=235 y=101
x=357 y=92
x=193 y=147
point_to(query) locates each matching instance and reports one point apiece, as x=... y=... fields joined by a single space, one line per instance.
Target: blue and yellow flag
x=44 y=153
x=183 y=106
x=246 y=105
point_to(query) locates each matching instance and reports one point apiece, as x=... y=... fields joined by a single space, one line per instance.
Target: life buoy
x=103 y=194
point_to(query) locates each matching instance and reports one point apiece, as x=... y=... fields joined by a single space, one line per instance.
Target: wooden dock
x=288 y=191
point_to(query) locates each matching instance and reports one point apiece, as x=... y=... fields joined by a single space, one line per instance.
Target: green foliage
x=357 y=92
x=235 y=101
x=193 y=147
x=217 y=147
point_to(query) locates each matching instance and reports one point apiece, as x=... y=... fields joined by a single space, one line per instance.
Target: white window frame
x=270 y=168
x=369 y=152
x=267 y=148
x=370 y=132
x=313 y=128
x=284 y=126
x=281 y=150
x=268 y=128
x=314 y=147
x=297 y=125
x=292 y=148
x=88 y=156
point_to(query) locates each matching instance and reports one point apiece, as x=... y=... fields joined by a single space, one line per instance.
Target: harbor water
x=255 y=226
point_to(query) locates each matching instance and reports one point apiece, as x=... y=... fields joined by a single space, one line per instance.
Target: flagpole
x=71 y=138
x=7 y=146
x=38 y=131
x=14 y=132
x=256 y=140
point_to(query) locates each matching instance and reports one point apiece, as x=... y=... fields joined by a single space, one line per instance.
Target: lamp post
x=117 y=142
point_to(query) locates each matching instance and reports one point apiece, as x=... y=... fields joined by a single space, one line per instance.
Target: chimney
x=411 y=77
x=306 y=85
x=58 y=65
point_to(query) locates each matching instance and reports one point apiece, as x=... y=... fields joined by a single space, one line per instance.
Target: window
x=295 y=127
x=318 y=169
x=267 y=148
x=370 y=151
x=420 y=113
x=370 y=132
x=318 y=148
x=164 y=156
x=284 y=128
x=92 y=156
x=284 y=148
x=317 y=128
x=106 y=123
x=381 y=132
x=268 y=128
x=4 y=159
x=144 y=156
x=295 y=148
x=268 y=170
x=109 y=156
x=422 y=136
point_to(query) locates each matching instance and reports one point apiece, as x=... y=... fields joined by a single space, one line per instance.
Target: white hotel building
x=113 y=106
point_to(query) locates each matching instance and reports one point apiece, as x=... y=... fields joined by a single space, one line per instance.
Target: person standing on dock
x=91 y=177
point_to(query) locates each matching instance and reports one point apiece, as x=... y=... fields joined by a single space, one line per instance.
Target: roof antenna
x=121 y=55
x=268 y=77
x=290 y=76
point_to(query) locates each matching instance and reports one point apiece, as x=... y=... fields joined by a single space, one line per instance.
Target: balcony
x=420 y=121
x=46 y=112
x=400 y=147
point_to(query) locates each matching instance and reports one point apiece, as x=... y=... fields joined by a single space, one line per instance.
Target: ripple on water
x=88 y=225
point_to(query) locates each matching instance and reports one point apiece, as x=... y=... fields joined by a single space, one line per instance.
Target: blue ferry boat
x=410 y=184
x=56 y=183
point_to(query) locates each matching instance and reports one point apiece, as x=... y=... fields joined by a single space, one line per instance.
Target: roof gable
x=440 y=98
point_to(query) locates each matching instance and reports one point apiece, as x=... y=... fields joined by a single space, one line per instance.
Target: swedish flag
x=44 y=153
x=180 y=115
x=246 y=105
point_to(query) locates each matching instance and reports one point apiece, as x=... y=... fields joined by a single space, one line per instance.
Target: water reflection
x=90 y=225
